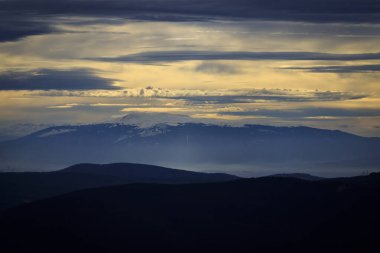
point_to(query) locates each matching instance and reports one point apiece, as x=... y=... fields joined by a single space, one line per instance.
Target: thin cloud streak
x=178 y=56
x=305 y=112
x=339 y=69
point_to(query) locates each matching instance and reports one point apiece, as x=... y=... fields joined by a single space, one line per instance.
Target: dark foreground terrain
x=271 y=214
x=24 y=187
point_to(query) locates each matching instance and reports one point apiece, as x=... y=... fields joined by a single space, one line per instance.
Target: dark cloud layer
x=352 y=11
x=13 y=28
x=291 y=10
x=174 y=56
x=48 y=79
x=339 y=69
x=273 y=96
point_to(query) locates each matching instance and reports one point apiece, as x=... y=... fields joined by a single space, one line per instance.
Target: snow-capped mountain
x=146 y=119
x=194 y=145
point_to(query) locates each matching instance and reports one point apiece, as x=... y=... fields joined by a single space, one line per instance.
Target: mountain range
x=255 y=148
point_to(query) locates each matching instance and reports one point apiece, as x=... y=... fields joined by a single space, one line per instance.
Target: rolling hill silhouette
x=269 y=214
x=18 y=188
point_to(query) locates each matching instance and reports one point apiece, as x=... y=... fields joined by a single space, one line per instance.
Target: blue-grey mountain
x=190 y=145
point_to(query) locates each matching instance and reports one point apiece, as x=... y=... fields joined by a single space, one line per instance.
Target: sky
x=275 y=62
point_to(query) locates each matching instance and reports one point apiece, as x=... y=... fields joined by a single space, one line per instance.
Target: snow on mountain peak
x=146 y=119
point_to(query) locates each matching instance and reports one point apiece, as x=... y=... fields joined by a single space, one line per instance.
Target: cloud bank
x=49 y=79
x=41 y=14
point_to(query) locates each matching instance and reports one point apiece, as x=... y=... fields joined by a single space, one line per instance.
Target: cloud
x=49 y=79
x=339 y=69
x=14 y=28
x=254 y=96
x=289 y=10
x=216 y=68
x=177 y=56
x=310 y=113
x=65 y=106
x=317 y=11
x=216 y=96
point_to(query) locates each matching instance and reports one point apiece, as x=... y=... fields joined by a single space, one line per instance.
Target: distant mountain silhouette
x=143 y=173
x=190 y=145
x=18 y=188
x=303 y=176
x=269 y=214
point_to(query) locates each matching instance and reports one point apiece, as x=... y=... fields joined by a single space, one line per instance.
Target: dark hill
x=142 y=173
x=253 y=215
x=18 y=188
x=303 y=176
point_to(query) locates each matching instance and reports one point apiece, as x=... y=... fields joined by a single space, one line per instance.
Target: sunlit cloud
x=157 y=109
x=215 y=96
x=66 y=106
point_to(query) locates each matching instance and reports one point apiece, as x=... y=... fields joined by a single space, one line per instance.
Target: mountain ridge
x=192 y=145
